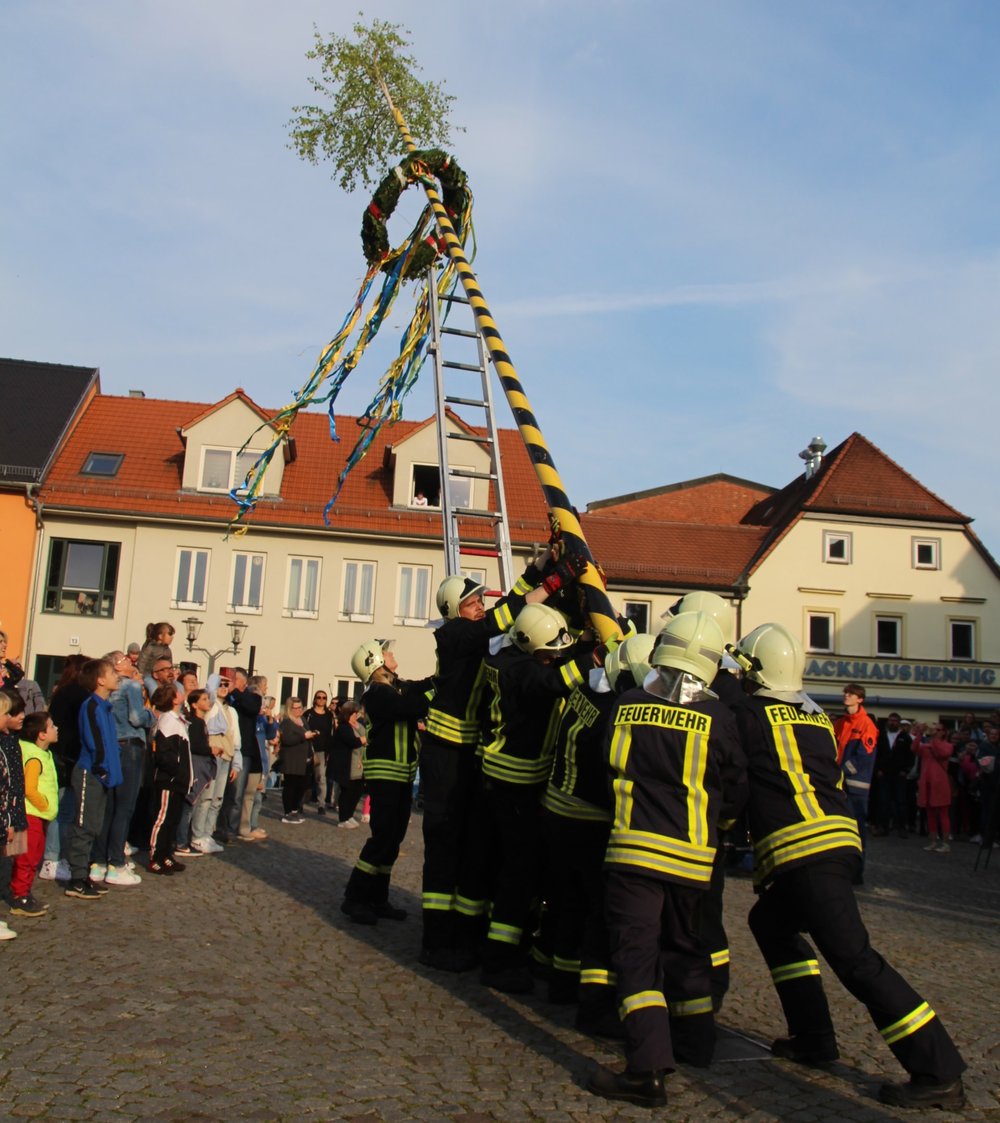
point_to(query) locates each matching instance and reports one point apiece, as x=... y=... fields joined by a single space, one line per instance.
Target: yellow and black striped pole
x=602 y=615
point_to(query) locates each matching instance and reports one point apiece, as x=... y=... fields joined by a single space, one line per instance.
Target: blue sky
x=708 y=232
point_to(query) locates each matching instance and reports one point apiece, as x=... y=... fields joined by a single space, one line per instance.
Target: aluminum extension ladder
x=472 y=378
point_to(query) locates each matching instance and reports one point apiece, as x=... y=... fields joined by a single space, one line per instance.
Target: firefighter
x=677 y=766
x=578 y=808
x=727 y=686
x=393 y=707
x=448 y=762
x=525 y=681
x=807 y=851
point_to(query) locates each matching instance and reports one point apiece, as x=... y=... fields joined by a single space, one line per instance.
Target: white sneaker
x=121 y=875
x=348 y=825
x=5 y=932
x=49 y=870
x=63 y=872
x=98 y=872
x=943 y=848
x=130 y=850
x=206 y=845
x=213 y=846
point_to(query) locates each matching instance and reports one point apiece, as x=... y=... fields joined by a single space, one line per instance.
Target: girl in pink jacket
x=934 y=786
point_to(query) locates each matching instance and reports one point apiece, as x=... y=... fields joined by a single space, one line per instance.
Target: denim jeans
x=109 y=846
x=59 y=827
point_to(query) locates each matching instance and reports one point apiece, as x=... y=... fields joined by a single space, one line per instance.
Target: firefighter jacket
x=458 y=680
x=393 y=740
x=520 y=710
x=798 y=810
x=856 y=736
x=578 y=783
x=676 y=770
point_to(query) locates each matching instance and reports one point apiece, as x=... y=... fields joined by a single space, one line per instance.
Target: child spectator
x=41 y=793
x=97 y=771
x=171 y=779
x=157 y=646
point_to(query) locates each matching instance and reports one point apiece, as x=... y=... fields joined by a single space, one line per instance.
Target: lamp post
x=237 y=630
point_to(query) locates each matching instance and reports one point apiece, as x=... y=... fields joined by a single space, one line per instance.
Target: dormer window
x=222 y=469
x=104 y=464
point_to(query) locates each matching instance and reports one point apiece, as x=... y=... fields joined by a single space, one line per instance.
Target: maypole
x=346 y=58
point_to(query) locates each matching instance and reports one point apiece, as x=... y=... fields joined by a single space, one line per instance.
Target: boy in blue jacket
x=97 y=770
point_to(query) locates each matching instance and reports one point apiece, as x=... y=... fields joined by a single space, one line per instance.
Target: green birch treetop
x=357 y=132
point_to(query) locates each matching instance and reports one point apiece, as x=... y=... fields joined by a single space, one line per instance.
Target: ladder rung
x=464 y=402
x=468 y=474
x=454 y=299
x=468 y=512
x=460 y=331
x=478 y=552
x=483 y=440
x=464 y=366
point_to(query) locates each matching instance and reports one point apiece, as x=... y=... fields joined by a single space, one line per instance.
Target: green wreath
x=455 y=195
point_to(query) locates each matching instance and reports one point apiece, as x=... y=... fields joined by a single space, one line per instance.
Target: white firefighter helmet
x=632 y=654
x=700 y=601
x=369 y=657
x=691 y=642
x=452 y=591
x=771 y=656
x=540 y=628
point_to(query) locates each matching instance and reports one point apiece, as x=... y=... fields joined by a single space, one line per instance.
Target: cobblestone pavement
x=237 y=990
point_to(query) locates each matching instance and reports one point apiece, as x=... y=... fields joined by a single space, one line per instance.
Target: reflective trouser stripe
x=690 y=1007
x=505 y=933
x=720 y=958
x=467 y=907
x=438 y=902
x=641 y=1001
x=598 y=977
x=913 y=1021
x=795 y=971
x=540 y=957
x=571 y=966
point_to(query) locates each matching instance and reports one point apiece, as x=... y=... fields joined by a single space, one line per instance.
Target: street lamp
x=237 y=629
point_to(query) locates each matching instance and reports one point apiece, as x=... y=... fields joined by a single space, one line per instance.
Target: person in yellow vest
x=41 y=796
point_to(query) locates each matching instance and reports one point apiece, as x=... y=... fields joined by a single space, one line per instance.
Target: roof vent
x=813 y=456
x=137 y=393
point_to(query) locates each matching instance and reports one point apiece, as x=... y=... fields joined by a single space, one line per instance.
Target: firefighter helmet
x=540 y=628
x=631 y=655
x=771 y=656
x=691 y=642
x=453 y=591
x=699 y=601
x=368 y=658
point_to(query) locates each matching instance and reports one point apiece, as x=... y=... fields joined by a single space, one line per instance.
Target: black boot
x=922 y=1091
x=449 y=959
x=642 y=1088
x=360 y=912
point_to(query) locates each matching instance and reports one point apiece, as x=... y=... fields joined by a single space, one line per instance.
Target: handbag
x=357 y=763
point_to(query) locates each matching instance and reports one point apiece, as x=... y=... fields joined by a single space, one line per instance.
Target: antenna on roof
x=813 y=456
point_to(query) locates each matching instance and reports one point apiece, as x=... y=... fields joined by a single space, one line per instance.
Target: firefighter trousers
x=818 y=899
x=662 y=970
x=391 y=801
x=448 y=784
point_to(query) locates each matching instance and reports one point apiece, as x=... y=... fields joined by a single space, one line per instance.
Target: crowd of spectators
x=133 y=755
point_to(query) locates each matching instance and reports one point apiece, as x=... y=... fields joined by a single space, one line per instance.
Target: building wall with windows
x=911 y=611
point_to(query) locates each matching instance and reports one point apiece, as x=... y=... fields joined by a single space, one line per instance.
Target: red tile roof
x=685 y=555
x=148 y=483
x=717 y=500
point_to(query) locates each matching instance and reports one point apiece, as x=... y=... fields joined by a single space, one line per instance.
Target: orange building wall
x=17 y=560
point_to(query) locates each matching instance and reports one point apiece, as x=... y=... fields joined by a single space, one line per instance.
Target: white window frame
x=935 y=547
x=236 y=476
x=298 y=611
x=408 y=580
x=352 y=610
x=190 y=602
x=831 y=536
x=296 y=678
x=963 y=621
x=477 y=575
x=831 y=618
x=888 y=618
x=238 y=605
x=647 y=605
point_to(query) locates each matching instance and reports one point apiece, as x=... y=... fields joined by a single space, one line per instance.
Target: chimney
x=813 y=456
